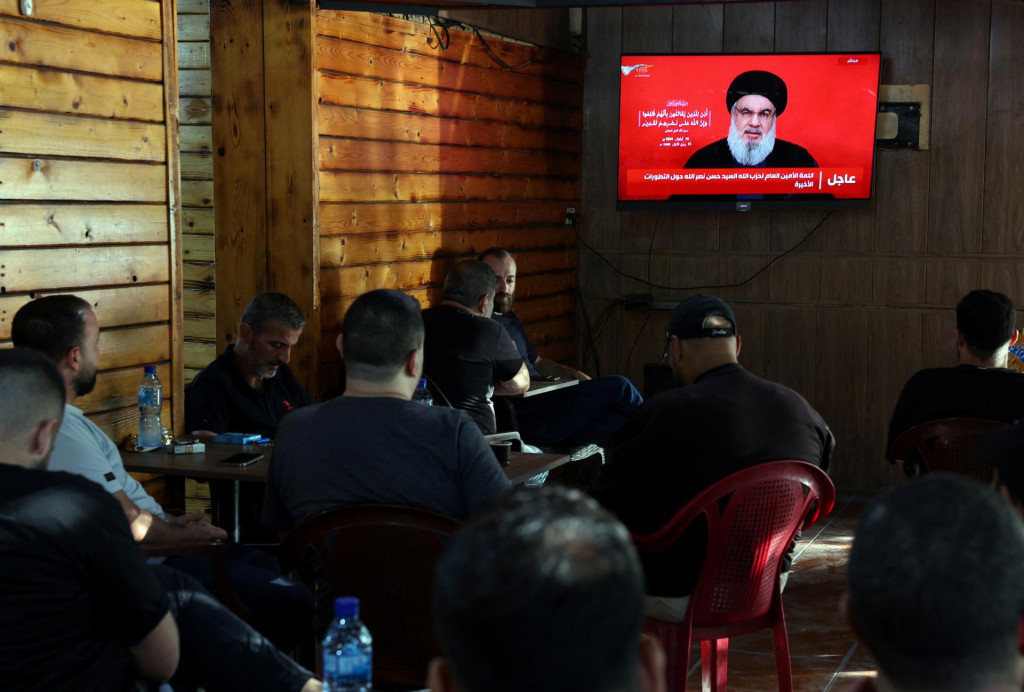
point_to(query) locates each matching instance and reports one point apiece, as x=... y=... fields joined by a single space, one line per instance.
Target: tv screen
x=747 y=131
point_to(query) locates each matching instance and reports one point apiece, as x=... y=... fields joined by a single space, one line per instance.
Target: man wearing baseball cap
x=679 y=442
x=755 y=100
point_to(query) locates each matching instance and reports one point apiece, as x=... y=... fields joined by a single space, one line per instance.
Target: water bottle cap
x=346 y=607
x=423 y=382
x=149 y=369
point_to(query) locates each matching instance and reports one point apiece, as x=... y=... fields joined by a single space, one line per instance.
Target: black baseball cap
x=689 y=319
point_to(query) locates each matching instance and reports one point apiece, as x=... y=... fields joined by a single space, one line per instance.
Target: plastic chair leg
x=714 y=664
x=783 y=666
x=676 y=643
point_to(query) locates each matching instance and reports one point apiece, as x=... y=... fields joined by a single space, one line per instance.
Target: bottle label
x=347 y=668
x=149 y=397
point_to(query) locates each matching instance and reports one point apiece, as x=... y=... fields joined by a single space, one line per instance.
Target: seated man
x=469 y=356
x=250 y=387
x=543 y=592
x=65 y=329
x=936 y=588
x=979 y=387
x=681 y=441
x=587 y=413
x=373 y=444
x=79 y=607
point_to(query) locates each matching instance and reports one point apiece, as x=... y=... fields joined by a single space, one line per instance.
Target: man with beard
x=755 y=100
x=65 y=329
x=584 y=414
x=250 y=387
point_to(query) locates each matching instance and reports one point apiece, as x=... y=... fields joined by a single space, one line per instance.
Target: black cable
x=495 y=58
x=442 y=43
x=647 y=317
x=746 y=281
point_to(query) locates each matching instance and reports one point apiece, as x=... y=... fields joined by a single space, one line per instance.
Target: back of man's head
x=272 y=307
x=936 y=586
x=51 y=324
x=33 y=392
x=468 y=281
x=381 y=329
x=543 y=592
x=987 y=320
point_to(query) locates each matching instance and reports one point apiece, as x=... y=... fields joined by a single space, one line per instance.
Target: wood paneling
x=868 y=298
x=89 y=192
x=427 y=156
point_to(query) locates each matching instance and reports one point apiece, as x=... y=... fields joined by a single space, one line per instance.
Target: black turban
x=761 y=83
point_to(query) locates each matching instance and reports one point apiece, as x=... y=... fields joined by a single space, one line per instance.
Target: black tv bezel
x=699 y=203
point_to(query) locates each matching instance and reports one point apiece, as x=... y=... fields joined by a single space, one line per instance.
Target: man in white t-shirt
x=65 y=329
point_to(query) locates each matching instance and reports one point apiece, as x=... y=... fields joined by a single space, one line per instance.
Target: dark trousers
x=220 y=652
x=282 y=608
x=587 y=413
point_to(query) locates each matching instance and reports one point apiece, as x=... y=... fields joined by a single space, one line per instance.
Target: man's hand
x=202 y=531
x=184 y=519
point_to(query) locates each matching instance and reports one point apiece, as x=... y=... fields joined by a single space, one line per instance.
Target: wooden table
x=207 y=465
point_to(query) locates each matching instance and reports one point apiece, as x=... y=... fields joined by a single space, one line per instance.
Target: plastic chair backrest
x=385 y=555
x=948 y=445
x=753 y=517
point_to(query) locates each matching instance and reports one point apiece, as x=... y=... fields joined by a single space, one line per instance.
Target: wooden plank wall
x=198 y=225
x=88 y=184
x=430 y=155
x=869 y=298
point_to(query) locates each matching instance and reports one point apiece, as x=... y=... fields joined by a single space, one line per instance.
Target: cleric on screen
x=755 y=99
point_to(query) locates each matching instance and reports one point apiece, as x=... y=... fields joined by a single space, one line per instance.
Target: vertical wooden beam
x=292 y=253
x=239 y=162
x=170 y=58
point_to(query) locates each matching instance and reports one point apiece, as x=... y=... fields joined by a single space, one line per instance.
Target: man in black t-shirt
x=679 y=442
x=469 y=356
x=79 y=607
x=250 y=387
x=981 y=386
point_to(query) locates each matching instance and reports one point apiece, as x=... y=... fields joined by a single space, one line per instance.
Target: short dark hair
x=541 y=591
x=936 y=581
x=33 y=391
x=51 y=324
x=381 y=328
x=468 y=281
x=272 y=307
x=987 y=320
x=498 y=252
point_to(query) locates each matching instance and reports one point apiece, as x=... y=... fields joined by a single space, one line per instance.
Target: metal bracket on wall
x=904 y=116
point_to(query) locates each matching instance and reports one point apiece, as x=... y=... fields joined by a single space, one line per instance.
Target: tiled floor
x=825 y=656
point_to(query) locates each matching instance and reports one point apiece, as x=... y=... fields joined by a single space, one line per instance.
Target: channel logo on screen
x=640 y=69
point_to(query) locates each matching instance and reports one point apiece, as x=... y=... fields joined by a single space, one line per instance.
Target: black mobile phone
x=241 y=459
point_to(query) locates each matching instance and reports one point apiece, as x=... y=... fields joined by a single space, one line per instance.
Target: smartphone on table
x=241 y=459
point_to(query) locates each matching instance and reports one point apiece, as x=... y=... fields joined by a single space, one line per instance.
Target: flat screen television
x=752 y=131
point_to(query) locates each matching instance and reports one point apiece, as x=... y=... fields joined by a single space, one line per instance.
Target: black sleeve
x=507 y=360
x=902 y=417
x=127 y=594
x=206 y=405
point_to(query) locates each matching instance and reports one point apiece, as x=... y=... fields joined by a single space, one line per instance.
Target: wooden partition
x=88 y=184
x=429 y=153
x=868 y=299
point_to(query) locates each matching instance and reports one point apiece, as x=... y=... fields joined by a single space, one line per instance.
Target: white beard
x=747 y=154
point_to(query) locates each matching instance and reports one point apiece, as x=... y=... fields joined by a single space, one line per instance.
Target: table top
x=544 y=386
x=207 y=464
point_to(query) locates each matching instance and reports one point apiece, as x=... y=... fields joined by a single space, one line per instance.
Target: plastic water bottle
x=348 y=650
x=151 y=429
x=422 y=394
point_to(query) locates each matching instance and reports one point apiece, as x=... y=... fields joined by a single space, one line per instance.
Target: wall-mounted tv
x=752 y=131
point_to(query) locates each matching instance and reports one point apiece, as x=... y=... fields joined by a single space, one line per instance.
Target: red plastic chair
x=753 y=517
x=947 y=445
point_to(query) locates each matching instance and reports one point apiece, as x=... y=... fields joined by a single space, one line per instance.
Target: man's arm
x=147 y=528
x=551 y=368
x=156 y=656
x=517 y=385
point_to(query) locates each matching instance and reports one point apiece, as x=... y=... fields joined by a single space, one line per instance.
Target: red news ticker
x=839 y=182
